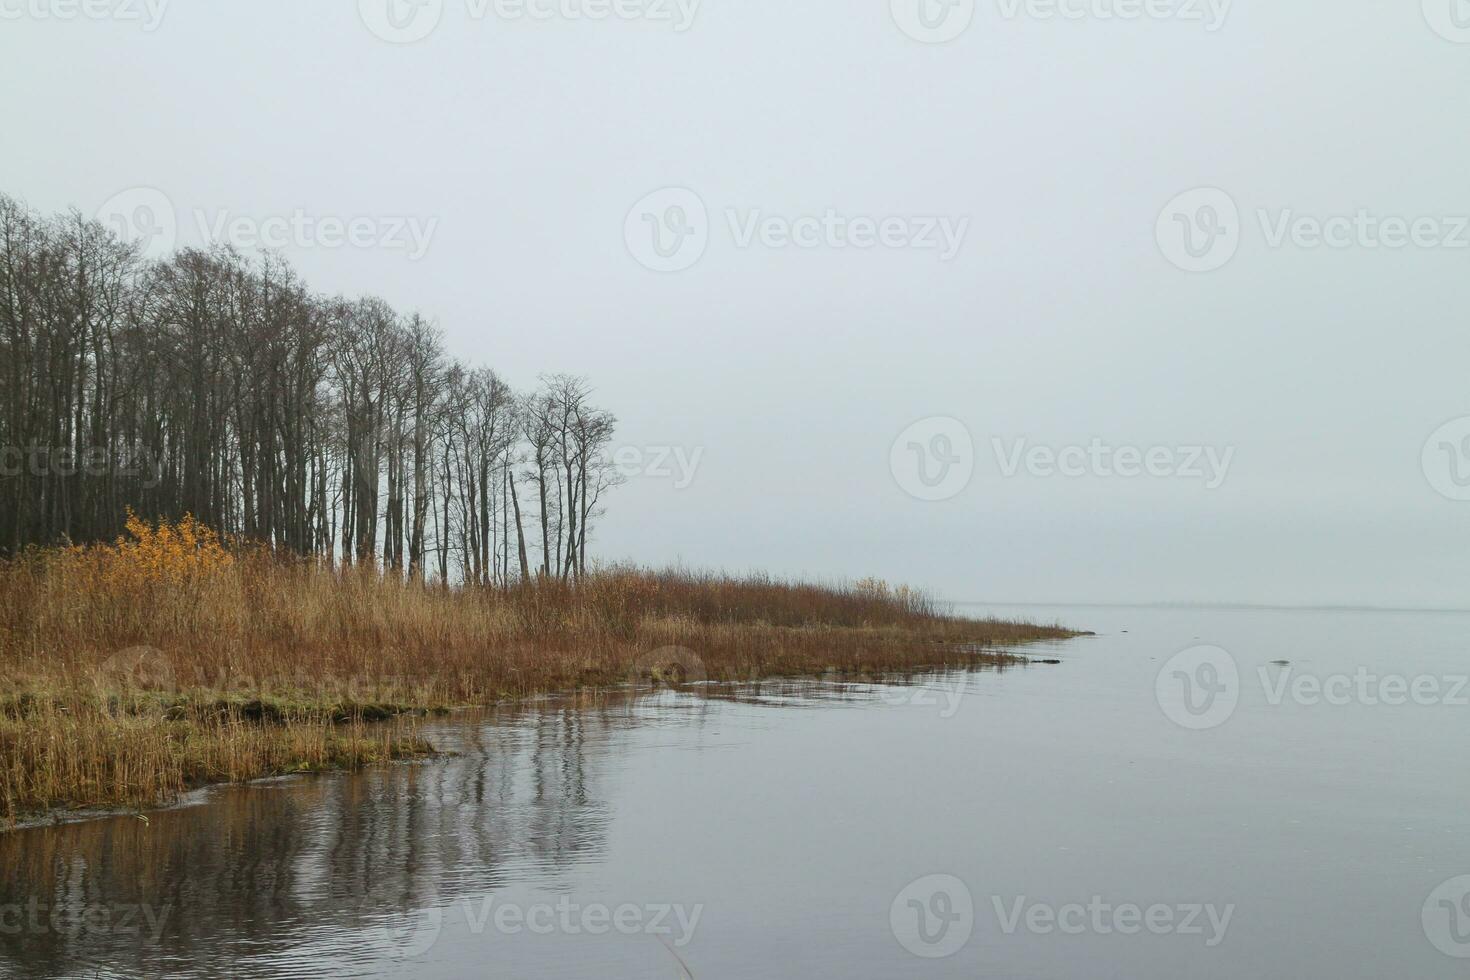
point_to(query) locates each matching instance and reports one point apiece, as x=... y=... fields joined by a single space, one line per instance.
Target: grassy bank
x=133 y=672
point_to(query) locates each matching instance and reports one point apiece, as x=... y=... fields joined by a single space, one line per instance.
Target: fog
x=1100 y=301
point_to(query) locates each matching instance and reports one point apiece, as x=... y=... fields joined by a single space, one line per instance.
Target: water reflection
x=786 y=821
x=261 y=870
x=278 y=878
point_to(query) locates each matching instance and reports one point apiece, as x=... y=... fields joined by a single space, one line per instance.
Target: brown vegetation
x=133 y=671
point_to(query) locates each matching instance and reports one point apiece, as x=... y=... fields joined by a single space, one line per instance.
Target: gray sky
x=518 y=147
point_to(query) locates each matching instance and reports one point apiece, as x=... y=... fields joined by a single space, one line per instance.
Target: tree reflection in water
x=268 y=879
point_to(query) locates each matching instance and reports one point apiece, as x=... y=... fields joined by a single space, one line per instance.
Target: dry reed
x=135 y=670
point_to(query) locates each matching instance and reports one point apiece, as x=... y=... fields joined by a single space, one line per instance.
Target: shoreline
x=410 y=748
x=129 y=683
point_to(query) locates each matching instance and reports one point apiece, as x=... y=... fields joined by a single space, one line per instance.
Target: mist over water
x=1061 y=820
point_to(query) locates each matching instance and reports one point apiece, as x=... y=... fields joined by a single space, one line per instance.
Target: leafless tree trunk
x=223 y=387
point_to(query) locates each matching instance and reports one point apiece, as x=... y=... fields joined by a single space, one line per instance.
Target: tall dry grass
x=165 y=660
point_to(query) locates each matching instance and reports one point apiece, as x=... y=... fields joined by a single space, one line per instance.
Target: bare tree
x=219 y=385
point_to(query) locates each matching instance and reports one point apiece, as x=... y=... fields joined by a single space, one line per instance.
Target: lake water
x=1133 y=812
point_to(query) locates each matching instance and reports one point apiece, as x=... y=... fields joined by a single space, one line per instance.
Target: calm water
x=1046 y=822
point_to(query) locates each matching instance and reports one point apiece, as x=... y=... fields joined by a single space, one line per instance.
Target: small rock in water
x=1281 y=663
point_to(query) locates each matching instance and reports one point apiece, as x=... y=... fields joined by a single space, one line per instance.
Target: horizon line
x=1191 y=604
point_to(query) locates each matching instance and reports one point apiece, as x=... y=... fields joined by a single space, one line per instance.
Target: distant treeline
x=221 y=386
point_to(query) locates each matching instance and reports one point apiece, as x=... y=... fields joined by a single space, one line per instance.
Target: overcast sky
x=1000 y=267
